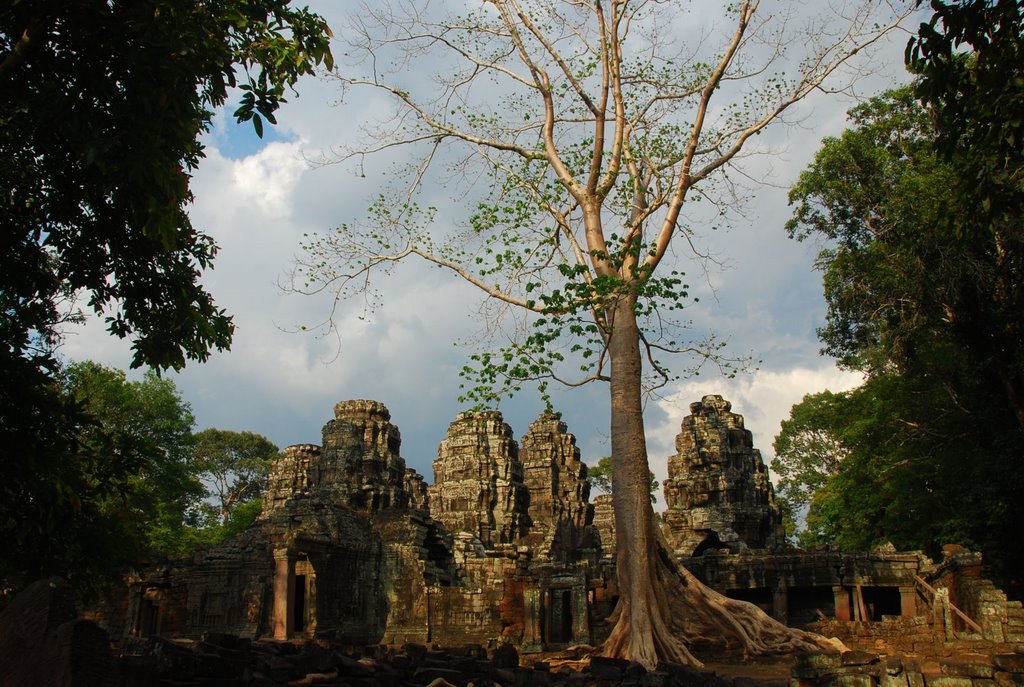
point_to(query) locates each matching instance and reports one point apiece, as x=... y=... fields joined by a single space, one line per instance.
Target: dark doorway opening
x=560 y=616
x=148 y=613
x=882 y=601
x=809 y=604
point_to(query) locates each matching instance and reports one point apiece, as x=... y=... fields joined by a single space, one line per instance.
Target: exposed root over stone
x=677 y=611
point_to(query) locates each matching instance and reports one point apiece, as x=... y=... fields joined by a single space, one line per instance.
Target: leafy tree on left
x=101 y=108
x=122 y=490
x=141 y=434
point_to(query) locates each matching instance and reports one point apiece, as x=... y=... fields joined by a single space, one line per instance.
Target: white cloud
x=764 y=399
x=269 y=177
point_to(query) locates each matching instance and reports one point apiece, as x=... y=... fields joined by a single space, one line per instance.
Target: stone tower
x=359 y=464
x=557 y=481
x=478 y=480
x=360 y=456
x=289 y=475
x=718 y=492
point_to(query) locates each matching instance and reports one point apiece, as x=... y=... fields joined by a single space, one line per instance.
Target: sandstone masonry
x=506 y=548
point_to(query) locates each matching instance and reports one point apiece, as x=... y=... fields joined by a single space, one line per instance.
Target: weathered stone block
x=1010 y=663
x=815 y=665
x=687 y=676
x=893 y=680
x=858 y=658
x=851 y=680
x=893 y=665
x=656 y=678
x=1004 y=679
x=949 y=681
x=977 y=667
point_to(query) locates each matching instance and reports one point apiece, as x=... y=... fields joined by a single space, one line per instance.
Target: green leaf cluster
x=599 y=476
x=970 y=61
x=101 y=108
x=103 y=105
x=235 y=465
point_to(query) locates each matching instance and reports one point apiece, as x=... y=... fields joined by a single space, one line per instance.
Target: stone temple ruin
x=506 y=547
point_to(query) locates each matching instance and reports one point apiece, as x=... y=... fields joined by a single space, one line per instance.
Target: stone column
x=533 y=619
x=580 y=615
x=908 y=602
x=842 y=597
x=284 y=593
x=780 y=602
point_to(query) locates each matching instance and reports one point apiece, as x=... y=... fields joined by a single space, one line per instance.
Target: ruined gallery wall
x=505 y=545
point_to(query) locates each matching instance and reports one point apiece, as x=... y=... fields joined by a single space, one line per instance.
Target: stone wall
x=799 y=587
x=1001 y=620
x=604 y=523
x=504 y=547
x=292 y=474
x=865 y=669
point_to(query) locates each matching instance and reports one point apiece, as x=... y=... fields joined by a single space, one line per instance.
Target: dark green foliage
x=130 y=485
x=970 y=62
x=143 y=430
x=119 y=490
x=101 y=107
x=235 y=465
x=925 y=296
x=913 y=470
x=600 y=476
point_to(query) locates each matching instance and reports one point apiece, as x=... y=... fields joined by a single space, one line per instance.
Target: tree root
x=678 y=611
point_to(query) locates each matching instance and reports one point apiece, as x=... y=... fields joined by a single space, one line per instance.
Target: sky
x=258 y=198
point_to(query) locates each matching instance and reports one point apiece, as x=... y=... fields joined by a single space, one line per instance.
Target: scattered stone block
x=611 y=669
x=43 y=642
x=1010 y=663
x=815 y=665
x=949 y=681
x=974 y=667
x=858 y=658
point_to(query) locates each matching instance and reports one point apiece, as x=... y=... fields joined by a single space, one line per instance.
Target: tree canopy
x=134 y=485
x=235 y=465
x=122 y=489
x=925 y=297
x=103 y=105
x=808 y=451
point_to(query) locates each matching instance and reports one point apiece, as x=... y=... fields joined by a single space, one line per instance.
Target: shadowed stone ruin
x=505 y=548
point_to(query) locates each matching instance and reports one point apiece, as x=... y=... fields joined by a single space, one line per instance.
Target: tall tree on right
x=970 y=62
x=925 y=296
